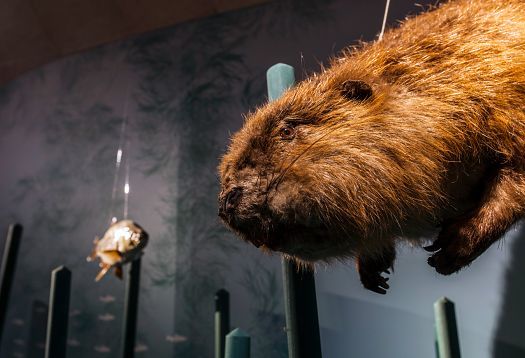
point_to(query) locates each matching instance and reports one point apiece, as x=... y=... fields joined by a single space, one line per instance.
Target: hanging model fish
x=123 y=242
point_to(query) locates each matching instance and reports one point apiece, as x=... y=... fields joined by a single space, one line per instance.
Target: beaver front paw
x=457 y=245
x=446 y=261
x=371 y=268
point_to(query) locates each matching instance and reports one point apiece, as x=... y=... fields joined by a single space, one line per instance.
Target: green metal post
x=222 y=321
x=446 y=329
x=237 y=344
x=58 y=315
x=302 y=325
x=7 y=270
x=279 y=78
x=131 y=303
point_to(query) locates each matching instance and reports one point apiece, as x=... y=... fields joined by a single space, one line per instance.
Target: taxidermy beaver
x=418 y=134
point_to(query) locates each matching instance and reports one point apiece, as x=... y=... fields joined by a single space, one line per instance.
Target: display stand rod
x=57 y=318
x=7 y=270
x=302 y=325
x=222 y=320
x=237 y=344
x=129 y=328
x=446 y=329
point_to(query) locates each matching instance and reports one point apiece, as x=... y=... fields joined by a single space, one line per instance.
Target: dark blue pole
x=57 y=319
x=131 y=301
x=222 y=321
x=7 y=270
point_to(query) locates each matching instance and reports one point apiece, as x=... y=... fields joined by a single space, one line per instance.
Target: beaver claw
x=371 y=269
x=375 y=282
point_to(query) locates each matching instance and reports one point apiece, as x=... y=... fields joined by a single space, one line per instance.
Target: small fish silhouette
x=106 y=298
x=102 y=349
x=176 y=338
x=141 y=348
x=106 y=317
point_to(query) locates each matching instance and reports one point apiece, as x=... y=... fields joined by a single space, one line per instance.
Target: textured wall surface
x=183 y=91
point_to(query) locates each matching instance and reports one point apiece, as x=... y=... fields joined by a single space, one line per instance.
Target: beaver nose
x=231 y=201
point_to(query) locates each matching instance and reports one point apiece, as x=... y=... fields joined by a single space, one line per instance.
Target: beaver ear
x=356 y=90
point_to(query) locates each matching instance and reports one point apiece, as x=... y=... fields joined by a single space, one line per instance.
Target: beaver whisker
x=282 y=173
x=269 y=182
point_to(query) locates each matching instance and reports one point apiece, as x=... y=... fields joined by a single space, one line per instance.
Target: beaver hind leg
x=464 y=238
x=371 y=267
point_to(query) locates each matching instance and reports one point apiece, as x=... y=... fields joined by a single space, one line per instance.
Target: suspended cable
x=122 y=155
x=385 y=16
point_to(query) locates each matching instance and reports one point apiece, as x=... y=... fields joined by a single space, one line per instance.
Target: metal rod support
x=446 y=329
x=57 y=319
x=279 y=78
x=222 y=321
x=7 y=270
x=300 y=304
x=129 y=328
x=237 y=344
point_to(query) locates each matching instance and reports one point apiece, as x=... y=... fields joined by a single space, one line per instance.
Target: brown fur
x=424 y=128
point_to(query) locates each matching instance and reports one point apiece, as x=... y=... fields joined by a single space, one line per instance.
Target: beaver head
x=304 y=176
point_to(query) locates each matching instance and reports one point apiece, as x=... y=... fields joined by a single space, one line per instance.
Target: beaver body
x=421 y=132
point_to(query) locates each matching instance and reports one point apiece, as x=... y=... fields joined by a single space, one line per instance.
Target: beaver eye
x=287 y=132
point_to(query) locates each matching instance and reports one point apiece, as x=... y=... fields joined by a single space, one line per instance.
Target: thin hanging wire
x=126 y=181
x=385 y=16
x=118 y=161
x=122 y=155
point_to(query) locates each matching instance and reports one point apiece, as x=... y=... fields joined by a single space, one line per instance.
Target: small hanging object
x=123 y=242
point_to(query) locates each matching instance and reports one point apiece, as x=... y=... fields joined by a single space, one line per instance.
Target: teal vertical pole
x=436 y=345
x=237 y=344
x=302 y=324
x=279 y=78
x=446 y=329
x=131 y=302
x=57 y=319
x=7 y=270
x=222 y=321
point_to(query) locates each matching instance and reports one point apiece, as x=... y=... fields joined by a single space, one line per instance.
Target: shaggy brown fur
x=424 y=128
